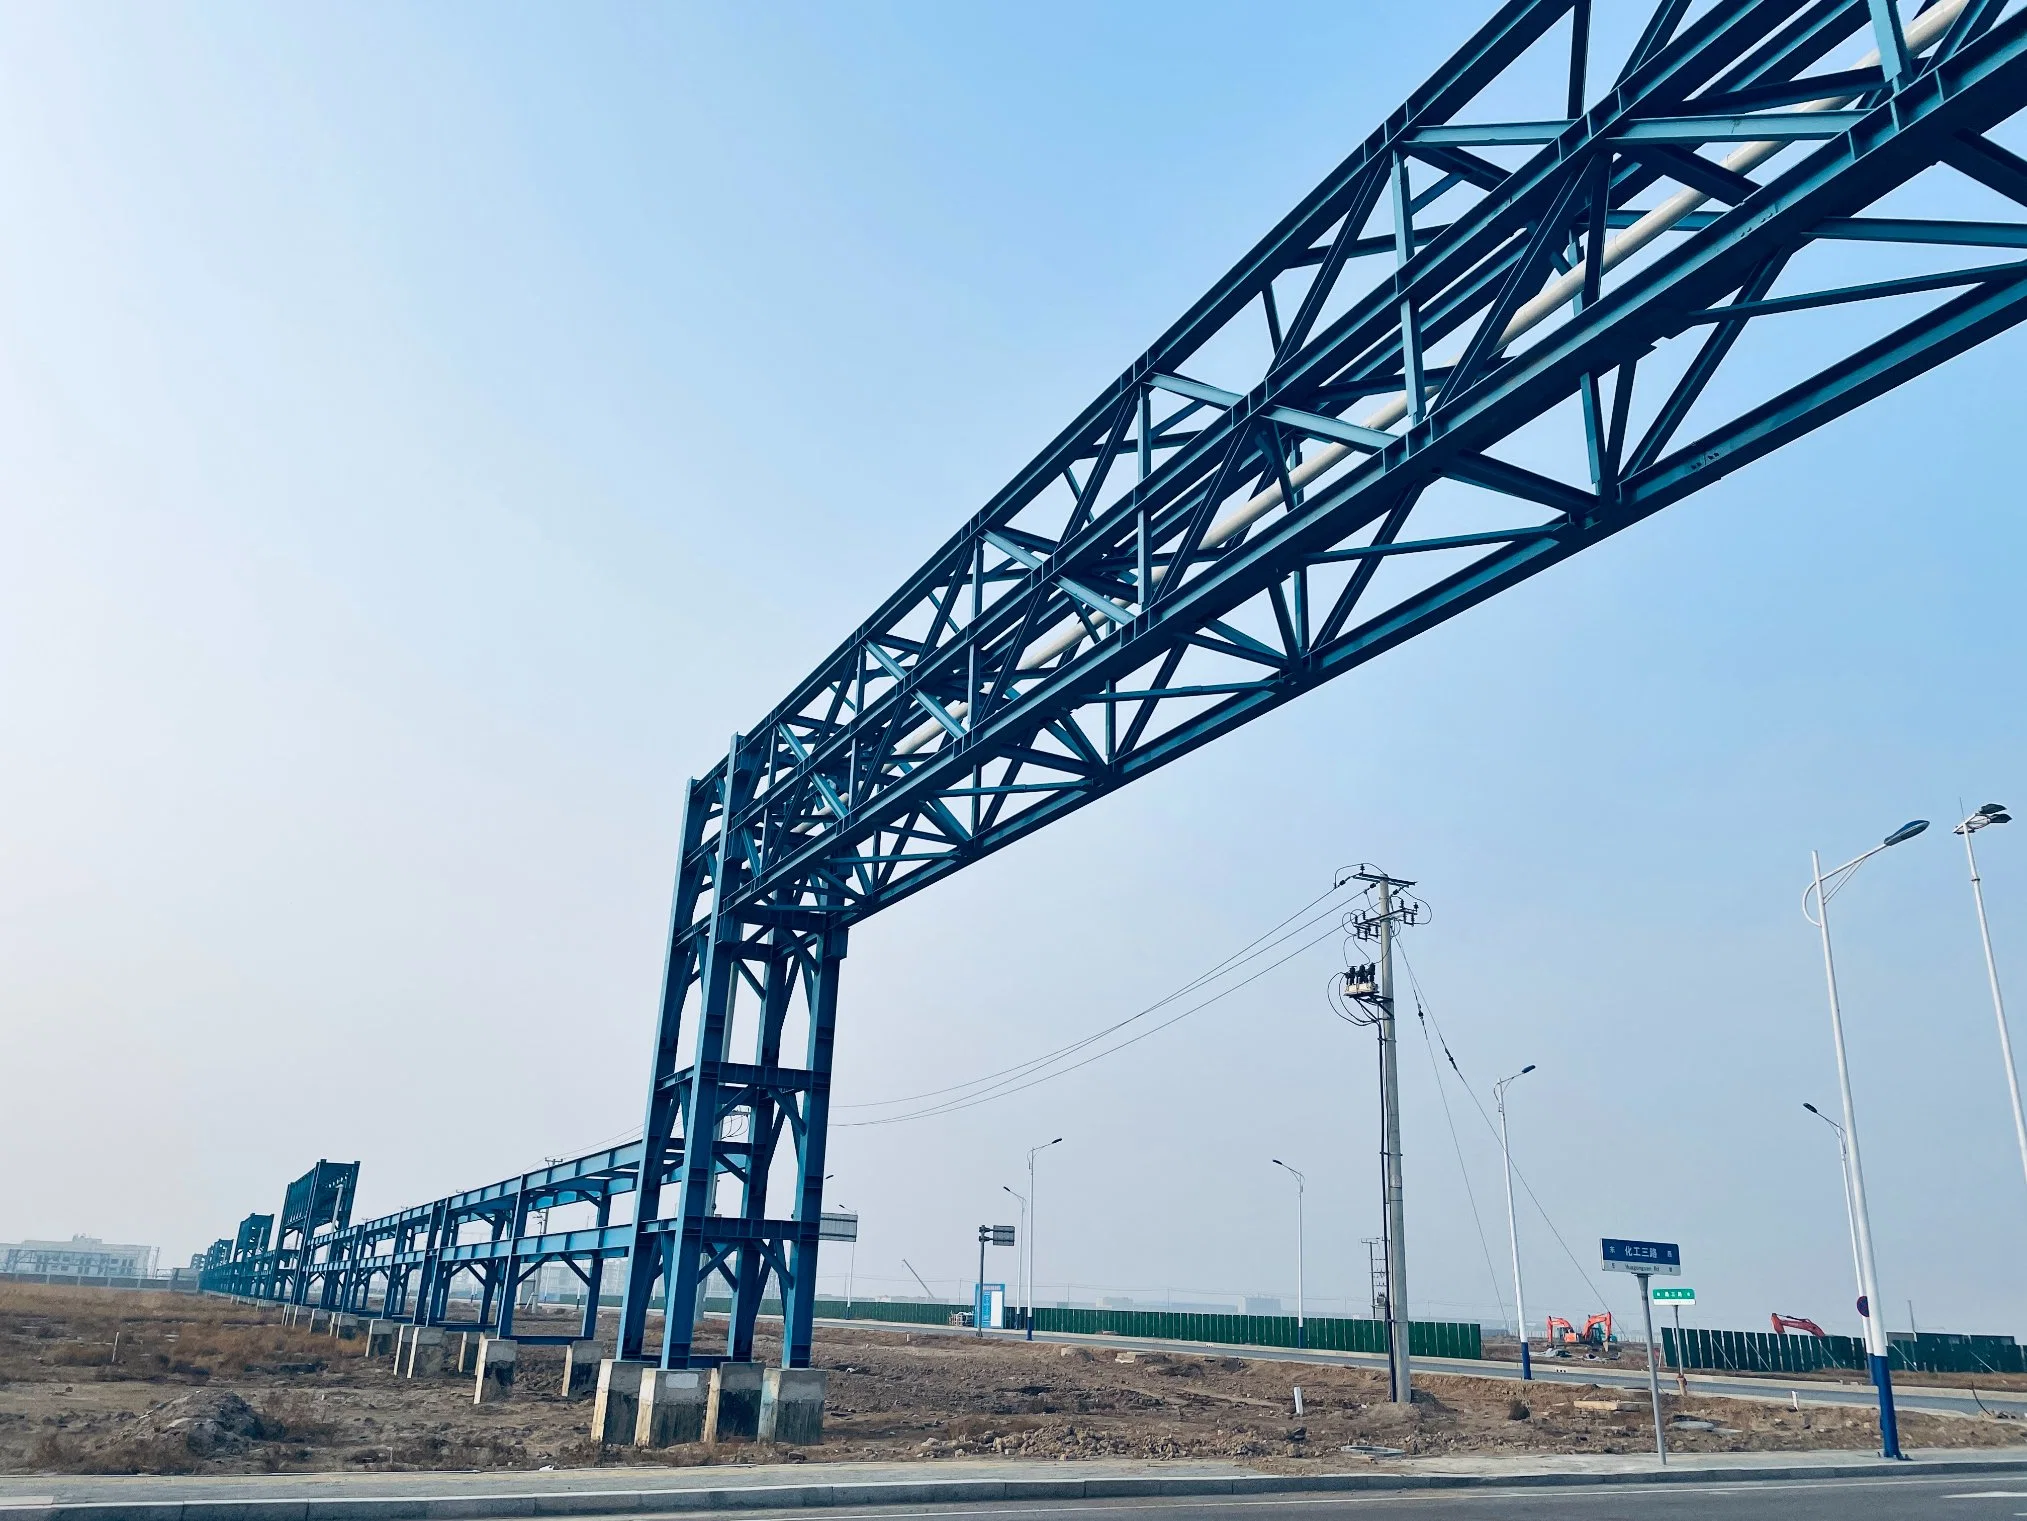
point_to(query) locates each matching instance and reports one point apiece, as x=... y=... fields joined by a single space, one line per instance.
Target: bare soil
x=200 y=1385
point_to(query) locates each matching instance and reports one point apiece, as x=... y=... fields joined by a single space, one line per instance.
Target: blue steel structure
x=1227 y=525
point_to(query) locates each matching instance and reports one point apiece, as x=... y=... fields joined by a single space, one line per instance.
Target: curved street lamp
x=1034 y=1214
x=1823 y=888
x=1301 y=1186
x=1985 y=818
x=1512 y=1228
x=1844 y=1179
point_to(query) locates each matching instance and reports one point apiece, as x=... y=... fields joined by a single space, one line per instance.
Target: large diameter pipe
x=1925 y=29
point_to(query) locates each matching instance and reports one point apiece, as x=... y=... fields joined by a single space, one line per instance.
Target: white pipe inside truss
x=1924 y=29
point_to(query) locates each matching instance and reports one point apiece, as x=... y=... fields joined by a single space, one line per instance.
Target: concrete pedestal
x=380 y=1337
x=617 y=1408
x=424 y=1353
x=733 y=1414
x=791 y=1405
x=671 y=1407
x=461 y=1351
x=580 y=1369
x=494 y=1364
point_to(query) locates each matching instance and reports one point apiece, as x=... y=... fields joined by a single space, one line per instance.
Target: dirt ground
x=199 y=1385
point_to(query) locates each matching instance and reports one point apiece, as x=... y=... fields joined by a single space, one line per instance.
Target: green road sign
x=1675 y=1296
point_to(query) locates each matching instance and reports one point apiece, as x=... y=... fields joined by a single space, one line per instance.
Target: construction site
x=1514 y=321
x=112 y=1382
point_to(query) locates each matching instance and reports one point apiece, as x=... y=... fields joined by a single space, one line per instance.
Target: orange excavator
x=1596 y=1334
x=1785 y=1323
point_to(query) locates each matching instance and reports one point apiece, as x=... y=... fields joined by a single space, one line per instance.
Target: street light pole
x=1512 y=1228
x=1822 y=888
x=1021 y=1250
x=1301 y=1185
x=1844 y=1177
x=1034 y=1214
x=1985 y=817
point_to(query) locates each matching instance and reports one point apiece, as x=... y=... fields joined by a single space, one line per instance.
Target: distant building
x=1261 y=1304
x=79 y=1257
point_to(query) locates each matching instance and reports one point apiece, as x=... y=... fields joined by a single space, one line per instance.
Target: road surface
x=1896 y=1498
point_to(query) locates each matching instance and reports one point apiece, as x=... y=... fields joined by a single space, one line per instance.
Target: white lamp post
x=1844 y=1176
x=1822 y=889
x=1301 y=1185
x=1021 y=1251
x=1513 y=1229
x=1034 y=1213
x=1984 y=818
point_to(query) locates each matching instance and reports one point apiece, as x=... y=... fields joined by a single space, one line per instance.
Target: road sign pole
x=1653 y=1373
x=1681 y=1363
x=978 y=1297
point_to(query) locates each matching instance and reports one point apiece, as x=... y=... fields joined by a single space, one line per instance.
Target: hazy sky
x=427 y=432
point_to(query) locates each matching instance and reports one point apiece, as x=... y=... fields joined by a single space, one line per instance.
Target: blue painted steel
x=1642 y=1256
x=1111 y=609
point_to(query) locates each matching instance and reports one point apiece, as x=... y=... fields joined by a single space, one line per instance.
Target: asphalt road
x=1549 y=1371
x=1898 y=1498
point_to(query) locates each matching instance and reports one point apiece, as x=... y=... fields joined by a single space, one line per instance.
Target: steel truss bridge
x=1476 y=349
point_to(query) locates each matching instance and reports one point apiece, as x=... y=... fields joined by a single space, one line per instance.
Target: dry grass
x=159 y=1337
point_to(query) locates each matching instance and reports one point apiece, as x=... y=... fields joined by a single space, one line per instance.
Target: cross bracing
x=1483 y=344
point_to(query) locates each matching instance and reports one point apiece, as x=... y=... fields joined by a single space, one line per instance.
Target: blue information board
x=1661 y=1258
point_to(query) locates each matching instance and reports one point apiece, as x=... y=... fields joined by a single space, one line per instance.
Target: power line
x=1457 y=1145
x=1006 y=1090
x=1007 y=1077
x=1590 y=1281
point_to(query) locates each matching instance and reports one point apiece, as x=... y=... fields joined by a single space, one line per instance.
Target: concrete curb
x=929 y=1491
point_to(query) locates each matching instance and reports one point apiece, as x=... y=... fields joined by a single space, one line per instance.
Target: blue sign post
x=1646 y=1260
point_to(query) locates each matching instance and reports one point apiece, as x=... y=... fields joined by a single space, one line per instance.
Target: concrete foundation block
x=733 y=1412
x=791 y=1405
x=494 y=1364
x=345 y=1327
x=424 y=1352
x=672 y=1404
x=616 y=1410
x=380 y=1336
x=580 y=1369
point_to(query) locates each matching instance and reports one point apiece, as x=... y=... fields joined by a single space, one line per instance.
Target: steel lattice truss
x=1119 y=604
x=1315 y=464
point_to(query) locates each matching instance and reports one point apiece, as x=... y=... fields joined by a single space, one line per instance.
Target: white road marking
x=1580 y=1489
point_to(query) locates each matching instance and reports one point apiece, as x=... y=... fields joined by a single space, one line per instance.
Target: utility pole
x=1401 y=1390
x=1372 y=989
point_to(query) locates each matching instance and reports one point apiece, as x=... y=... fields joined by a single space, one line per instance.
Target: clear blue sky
x=428 y=432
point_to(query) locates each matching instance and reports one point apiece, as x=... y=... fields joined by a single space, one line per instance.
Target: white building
x=79 y=1257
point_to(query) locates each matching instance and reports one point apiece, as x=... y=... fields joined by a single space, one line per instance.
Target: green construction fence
x=1763 y=1352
